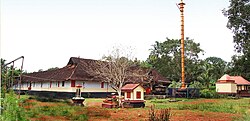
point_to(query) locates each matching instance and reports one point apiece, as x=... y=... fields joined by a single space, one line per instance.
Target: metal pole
x=182 y=45
x=12 y=74
x=20 y=81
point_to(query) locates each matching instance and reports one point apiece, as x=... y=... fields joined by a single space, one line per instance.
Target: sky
x=48 y=32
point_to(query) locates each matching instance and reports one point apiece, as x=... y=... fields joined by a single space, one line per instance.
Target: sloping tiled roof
x=52 y=75
x=239 y=80
x=76 y=69
x=226 y=77
x=129 y=87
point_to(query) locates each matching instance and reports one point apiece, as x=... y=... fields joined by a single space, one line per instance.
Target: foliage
x=58 y=109
x=212 y=68
x=175 y=84
x=207 y=93
x=11 y=109
x=240 y=65
x=195 y=84
x=238 y=21
x=8 y=75
x=165 y=57
x=163 y=115
x=52 y=68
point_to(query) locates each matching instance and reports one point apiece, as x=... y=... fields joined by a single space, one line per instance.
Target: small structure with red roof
x=233 y=85
x=133 y=95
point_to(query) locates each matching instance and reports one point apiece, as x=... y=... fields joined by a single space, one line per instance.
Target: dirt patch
x=50 y=118
x=141 y=114
x=187 y=115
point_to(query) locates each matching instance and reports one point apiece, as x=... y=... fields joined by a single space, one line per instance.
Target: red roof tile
x=226 y=77
x=239 y=80
x=129 y=87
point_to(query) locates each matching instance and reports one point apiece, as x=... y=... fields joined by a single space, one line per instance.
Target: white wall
x=133 y=94
x=226 y=87
x=89 y=86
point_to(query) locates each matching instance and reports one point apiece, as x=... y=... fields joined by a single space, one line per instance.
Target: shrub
x=163 y=115
x=11 y=109
x=175 y=84
x=195 y=84
x=206 y=93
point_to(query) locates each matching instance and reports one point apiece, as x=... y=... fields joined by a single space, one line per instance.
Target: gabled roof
x=226 y=77
x=239 y=80
x=129 y=87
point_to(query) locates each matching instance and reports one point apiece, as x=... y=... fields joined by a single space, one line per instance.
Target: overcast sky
x=48 y=32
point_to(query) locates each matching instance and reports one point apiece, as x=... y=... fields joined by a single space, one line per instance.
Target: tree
x=8 y=76
x=238 y=14
x=52 y=68
x=212 y=68
x=115 y=69
x=240 y=65
x=166 y=58
x=239 y=22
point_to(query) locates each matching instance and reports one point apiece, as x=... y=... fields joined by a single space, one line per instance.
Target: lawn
x=183 y=109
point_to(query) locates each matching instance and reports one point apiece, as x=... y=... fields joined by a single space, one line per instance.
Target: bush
x=163 y=115
x=206 y=93
x=11 y=109
x=195 y=84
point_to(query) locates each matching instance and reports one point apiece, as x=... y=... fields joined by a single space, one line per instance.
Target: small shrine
x=133 y=96
x=78 y=100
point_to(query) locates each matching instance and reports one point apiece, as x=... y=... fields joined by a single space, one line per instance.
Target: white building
x=61 y=82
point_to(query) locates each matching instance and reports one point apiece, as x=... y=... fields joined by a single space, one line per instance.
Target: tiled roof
x=226 y=77
x=239 y=80
x=78 y=69
x=52 y=75
x=129 y=87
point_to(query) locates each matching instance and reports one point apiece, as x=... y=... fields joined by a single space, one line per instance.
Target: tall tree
x=165 y=57
x=238 y=14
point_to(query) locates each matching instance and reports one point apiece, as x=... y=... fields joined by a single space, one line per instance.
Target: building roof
x=79 y=69
x=129 y=87
x=226 y=77
x=239 y=80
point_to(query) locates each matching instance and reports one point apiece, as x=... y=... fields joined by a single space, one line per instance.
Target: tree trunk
x=119 y=97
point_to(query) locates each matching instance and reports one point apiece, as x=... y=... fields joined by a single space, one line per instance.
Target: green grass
x=62 y=108
x=221 y=105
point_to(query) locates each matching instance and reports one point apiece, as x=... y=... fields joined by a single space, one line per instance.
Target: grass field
x=183 y=109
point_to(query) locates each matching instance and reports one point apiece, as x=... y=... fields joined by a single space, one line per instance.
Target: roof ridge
x=73 y=71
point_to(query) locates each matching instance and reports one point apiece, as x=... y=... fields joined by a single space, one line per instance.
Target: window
x=34 y=84
x=58 y=84
x=128 y=94
x=138 y=95
x=102 y=84
x=41 y=84
x=27 y=84
x=73 y=83
x=63 y=83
